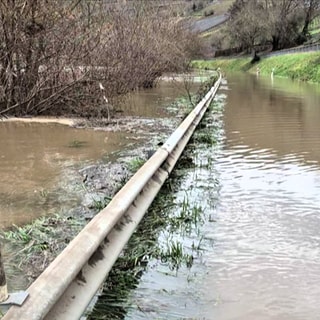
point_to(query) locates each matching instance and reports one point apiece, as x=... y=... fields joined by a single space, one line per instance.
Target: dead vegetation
x=56 y=56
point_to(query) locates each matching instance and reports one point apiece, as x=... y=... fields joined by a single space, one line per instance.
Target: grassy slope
x=300 y=66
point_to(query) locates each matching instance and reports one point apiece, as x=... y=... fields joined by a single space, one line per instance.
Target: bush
x=65 y=57
x=208 y=13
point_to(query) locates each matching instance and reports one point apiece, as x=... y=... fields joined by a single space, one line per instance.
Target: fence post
x=3 y=281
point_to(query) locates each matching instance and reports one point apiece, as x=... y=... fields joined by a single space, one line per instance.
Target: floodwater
x=265 y=262
x=34 y=166
x=257 y=250
x=37 y=159
x=256 y=246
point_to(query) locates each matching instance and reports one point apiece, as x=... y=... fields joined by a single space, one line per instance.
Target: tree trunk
x=305 y=29
x=275 y=43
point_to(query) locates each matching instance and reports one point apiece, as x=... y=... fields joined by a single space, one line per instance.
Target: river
x=256 y=250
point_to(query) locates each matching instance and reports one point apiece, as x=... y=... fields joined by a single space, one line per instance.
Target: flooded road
x=256 y=250
x=266 y=258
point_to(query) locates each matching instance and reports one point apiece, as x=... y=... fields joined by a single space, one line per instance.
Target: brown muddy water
x=257 y=247
x=34 y=164
x=37 y=159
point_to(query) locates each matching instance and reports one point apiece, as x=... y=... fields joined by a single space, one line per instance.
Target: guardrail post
x=6 y=299
x=3 y=282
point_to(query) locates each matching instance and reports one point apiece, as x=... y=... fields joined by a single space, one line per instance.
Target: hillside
x=298 y=66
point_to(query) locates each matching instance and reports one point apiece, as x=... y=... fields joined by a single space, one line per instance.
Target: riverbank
x=296 y=66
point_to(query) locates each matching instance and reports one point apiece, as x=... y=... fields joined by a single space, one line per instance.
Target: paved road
x=208 y=23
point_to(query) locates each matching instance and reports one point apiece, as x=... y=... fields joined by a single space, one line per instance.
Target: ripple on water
x=267 y=253
x=260 y=255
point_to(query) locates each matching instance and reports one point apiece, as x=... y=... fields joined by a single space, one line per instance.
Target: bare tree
x=247 y=23
x=282 y=22
x=44 y=45
x=276 y=21
x=311 y=9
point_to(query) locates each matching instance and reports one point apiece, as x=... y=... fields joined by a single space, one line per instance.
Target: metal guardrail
x=306 y=48
x=231 y=52
x=65 y=289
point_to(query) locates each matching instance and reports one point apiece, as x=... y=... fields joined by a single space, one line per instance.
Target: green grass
x=35 y=245
x=240 y=64
x=314 y=32
x=205 y=137
x=135 y=164
x=101 y=204
x=298 y=66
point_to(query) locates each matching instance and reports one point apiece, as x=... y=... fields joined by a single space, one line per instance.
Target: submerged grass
x=187 y=214
x=205 y=137
x=100 y=204
x=174 y=255
x=159 y=239
x=77 y=144
x=144 y=247
x=135 y=163
x=36 y=244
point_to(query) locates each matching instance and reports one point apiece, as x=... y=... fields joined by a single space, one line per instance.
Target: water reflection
x=284 y=117
x=148 y=103
x=267 y=256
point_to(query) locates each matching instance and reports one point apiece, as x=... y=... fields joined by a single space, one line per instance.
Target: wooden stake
x=3 y=282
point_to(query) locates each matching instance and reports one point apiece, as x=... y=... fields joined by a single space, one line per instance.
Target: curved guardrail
x=65 y=289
